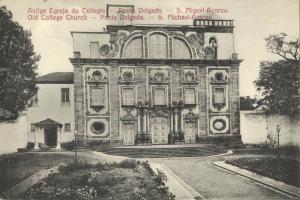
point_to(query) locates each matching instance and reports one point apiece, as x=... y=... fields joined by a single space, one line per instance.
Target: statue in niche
x=214 y=45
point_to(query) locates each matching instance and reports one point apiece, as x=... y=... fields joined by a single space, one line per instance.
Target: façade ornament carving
x=112 y=49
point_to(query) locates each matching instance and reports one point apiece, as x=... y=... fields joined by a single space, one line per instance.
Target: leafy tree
x=278 y=81
x=18 y=64
x=288 y=50
x=247 y=103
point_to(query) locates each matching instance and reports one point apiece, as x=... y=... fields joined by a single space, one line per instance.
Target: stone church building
x=157 y=84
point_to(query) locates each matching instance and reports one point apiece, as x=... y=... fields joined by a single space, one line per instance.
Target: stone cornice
x=145 y=62
x=217 y=29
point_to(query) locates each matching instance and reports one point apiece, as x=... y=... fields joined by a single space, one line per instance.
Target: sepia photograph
x=150 y=100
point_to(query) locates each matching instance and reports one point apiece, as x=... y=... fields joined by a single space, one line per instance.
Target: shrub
x=271 y=140
x=65 y=169
x=53 y=178
x=83 y=179
x=68 y=145
x=290 y=150
x=102 y=167
x=106 y=179
x=128 y=163
x=29 y=145
x=42 y=191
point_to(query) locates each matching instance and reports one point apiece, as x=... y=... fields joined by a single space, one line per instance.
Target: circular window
x=104 y=50
x=219 y=124
x=98 y=127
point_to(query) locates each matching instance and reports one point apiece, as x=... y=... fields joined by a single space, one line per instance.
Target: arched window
x=134 y=48
x=180 y=50
x=158 y=46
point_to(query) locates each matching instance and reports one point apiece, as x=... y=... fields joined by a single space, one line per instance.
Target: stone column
x=179 y=121
x=145 y=122
x=138 y=121
x=36 y=142
x=58 y=138
x=171 y=122
x=176 y=121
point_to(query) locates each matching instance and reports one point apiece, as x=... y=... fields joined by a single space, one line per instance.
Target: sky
x=254 y=20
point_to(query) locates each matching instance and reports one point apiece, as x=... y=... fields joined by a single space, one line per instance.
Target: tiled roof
x=48 y=122
x=57 y=77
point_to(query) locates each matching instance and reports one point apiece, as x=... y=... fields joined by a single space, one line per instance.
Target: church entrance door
x=159 y=130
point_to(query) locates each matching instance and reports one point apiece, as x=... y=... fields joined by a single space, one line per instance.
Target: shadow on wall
x=256 y=125
x=13 y=135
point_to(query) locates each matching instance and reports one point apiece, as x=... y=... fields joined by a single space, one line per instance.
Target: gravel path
x=215 y=183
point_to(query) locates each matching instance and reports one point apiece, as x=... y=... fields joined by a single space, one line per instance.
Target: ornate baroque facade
x=157 y=84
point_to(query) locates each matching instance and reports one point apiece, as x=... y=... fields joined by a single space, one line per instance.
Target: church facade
x=157 y=84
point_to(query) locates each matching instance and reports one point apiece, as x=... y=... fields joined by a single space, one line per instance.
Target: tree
x=18 y=64
x=247 y=103
x=288 y=50
x=278 y=81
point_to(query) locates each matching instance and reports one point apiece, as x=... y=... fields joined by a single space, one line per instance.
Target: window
x=180 y=50
x=65 y=95
x=67 y=127
x=94 y=49
x=97 y=96
x=157 y=46
x=134 y=49
x=189 y=96
x=127 y=96
x=219 y=96
x=159 y=96
x=97 y=127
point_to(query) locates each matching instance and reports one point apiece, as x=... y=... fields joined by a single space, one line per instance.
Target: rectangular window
x=94 y=49
x=159 y=96
x=65 y=95
x=219 y=96
x=67 y=127
x=97 y=96
x=157 y=46
x=127 y=96
x=189 y=96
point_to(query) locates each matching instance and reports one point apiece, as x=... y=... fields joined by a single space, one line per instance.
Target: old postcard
x=119 y=99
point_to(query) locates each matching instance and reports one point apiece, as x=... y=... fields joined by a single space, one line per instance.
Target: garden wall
x=256 y=125
x=13 y=135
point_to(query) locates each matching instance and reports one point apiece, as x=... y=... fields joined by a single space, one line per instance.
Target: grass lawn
x=164 y=152
x=282 y=169
x=126 y=180
x=16 y=167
